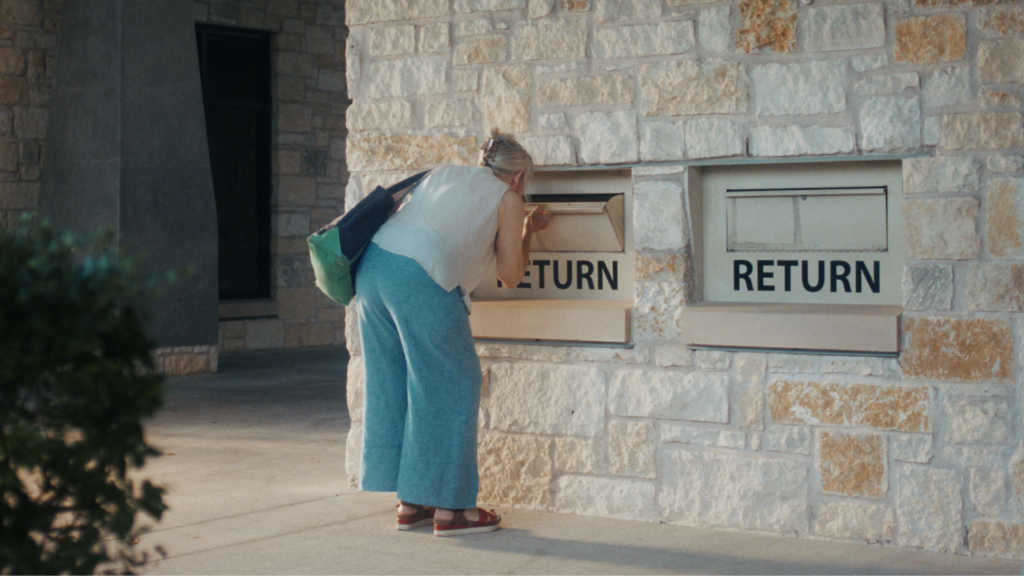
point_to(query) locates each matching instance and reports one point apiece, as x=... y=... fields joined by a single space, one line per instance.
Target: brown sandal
x=421 y=517
x=459 y=524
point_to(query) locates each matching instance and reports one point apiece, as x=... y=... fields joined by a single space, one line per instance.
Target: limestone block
x=580 y=456
x=658 y=215
x=947 y=87
x=1002 y=20
x=472 y=27
x=972 y=349
x=929 y=508
x=637 y=355
x=853 y=27
x=767 y=24
x=555 y=121
x=886 y=84
x=447 y=112
x=686 y=87
x=706 y=489
x=852 y=464
x=648 y=393
x=671 y=432
x=941 y=228
x=715 y=29
x=585 y=91
x=791 y=439
x=488 y=5
x=378 y=115
x=576 y=5
x=657 y=310
x=547 y=39
x=897 y=408
x=482 y=50
x=515 y=470
x=631 y=449
x=392 y=40
x=406 y=77
x=942 y=175
x=1002 y=538
x=1001 y=61
x=1003 y=164
x=643 y=40
x=354 y=454
x=977 y=421
x=370 y=11
x=540 y=8
x=374 y=151
x=671 y=356
x=12 y=61
x=995 y=287
x=988 y=491
x=712 y=360
x=915 y=448
x=611 y=10
x=713 y=137
x=968 y=456
x=434 y=37
x=858 y=365
x=548 y=399
x=506 y=98
x=608 y=137
x=890 y=123
x=550 y=150
x=751 y=368
x=930 y=39
x=1005 y=217
x=982 y=131
x=869 y=62
x=662 y=267
x=800 y=141
x=799 y=89
x=465 y=80
x=616 y=497
x=792 y=364
x=660 y=141
x=932 y=130
x=855 y=521
x=353 y=66
x=928 y=287
x=353 y=340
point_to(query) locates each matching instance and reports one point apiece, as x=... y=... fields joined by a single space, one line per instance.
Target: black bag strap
x=409 y=183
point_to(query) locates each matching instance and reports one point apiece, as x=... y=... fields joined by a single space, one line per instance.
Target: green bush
x=76 y=382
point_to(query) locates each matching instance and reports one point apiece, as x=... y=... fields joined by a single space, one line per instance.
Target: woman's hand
x=538 y=219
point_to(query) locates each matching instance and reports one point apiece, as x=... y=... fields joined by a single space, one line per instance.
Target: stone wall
x=924 y=450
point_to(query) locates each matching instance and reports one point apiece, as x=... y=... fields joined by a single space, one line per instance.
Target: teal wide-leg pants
x=422 y=384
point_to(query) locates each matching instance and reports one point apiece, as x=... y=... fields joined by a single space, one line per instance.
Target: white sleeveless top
x=448 y=226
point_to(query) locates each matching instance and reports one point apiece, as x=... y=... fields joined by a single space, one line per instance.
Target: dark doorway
x=235 y=69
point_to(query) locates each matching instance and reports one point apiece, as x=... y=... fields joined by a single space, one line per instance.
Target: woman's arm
x=515 y=232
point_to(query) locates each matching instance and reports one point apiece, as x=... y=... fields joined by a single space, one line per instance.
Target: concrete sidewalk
x=254 y=467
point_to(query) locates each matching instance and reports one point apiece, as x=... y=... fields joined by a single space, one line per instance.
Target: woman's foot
x=412 y=516
x=470 y=521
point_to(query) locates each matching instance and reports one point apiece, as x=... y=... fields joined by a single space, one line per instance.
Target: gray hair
x=505 y=156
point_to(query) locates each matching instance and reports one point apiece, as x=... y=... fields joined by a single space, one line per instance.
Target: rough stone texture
x=616 y=497
x=392 y=41
x=915 y=448
x=644 y=40
x=354 y=454
x=947 y=87
x=941 y=175
x=748 y=406
x=988 y=491
x=580 y=456
x=658 y=216
x=996 y=537
x=1004 y=164
x=693 y=87
x=941 y=228
x=995 y=287
x=751 y=367
x=715 y=29
x=184 y=360
x=767 y=25
x=613 y=10
x=1004 y=21
x=548 y=39
x=488 y=5
x=851 y=27
x=957 y=349
x=541 y=8
x=792 y=363
x=548 y=399
x=657 y=309
x=791 y=439
x=550 y=150
x=713 y=138
x=797 y=89
x=800 y=141
x=447 y=112
x=483 y=50
x=435 y=37
x=1005 y=217
x=977 y=421
x=406 y=77
x=374 y=115
x=869 y=62
x=890 y=123
x=406 y=152
x=369 y=11
x=928 y=287
x=472 y=27
x=705 y=489
x=515 y=470
x=886 y=84
x=608 y=137
x=649 y=393
x=929 y=508
x=661 y=141
x=1001 y=61
x=898 y=408
x=672 y=356
x=684 y=434
x=858 y=365
x=506 y=98
x=585 y=91
x=852 y=464
x=631 y=449
x=929 y=39
x=982 y=131
x=855 y=521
